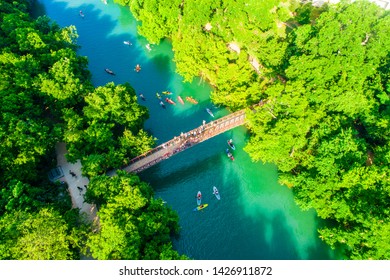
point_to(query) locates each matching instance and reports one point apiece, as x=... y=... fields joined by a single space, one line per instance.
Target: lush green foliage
x=36 y=57
x=329 y=131
x=43 y=235
x=108 y=130
x=46 y=96
x=132 y=225
x=324 y=73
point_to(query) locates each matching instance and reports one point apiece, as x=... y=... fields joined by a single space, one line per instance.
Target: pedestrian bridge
x=185 y=141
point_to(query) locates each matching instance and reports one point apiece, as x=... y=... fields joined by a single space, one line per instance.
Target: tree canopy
x=46 y=96
x=107 y=132
x=132 y=224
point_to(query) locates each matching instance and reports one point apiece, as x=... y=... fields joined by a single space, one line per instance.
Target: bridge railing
x=196 y=135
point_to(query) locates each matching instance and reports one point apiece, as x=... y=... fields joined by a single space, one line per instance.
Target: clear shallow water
x=256 y=218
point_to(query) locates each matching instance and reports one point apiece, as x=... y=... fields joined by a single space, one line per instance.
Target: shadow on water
x=176 y=169
x=37 y=9
x=161 y=61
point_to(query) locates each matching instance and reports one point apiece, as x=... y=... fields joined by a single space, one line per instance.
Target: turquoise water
x=256 y=218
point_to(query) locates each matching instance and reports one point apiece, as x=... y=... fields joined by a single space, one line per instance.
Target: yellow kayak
x=200 y=207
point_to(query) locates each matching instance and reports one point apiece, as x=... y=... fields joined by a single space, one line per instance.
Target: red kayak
x=229 y=154
x=170 y=101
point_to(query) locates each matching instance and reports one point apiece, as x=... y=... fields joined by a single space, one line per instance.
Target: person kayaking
x=209 y=111
x=158 y=95
x=229 y=154
x=81 y=14
x=109 y=71
x=137 y=68
x=142 y=96
x=230 y=143
x=162 y=104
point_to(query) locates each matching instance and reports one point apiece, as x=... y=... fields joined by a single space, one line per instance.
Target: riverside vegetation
x=324 y=73
x=47 y=97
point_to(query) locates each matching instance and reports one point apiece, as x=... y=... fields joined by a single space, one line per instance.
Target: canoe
x=180 y=100
x=229 y=154
x=199 y=198
x=231 y=145
x=210 y=113
x=216 y=193
x=109 y=71
x=191 y=100
x=170 y=101
x=200 y=207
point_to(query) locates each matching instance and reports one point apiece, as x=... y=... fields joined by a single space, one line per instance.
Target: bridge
x=185 y=141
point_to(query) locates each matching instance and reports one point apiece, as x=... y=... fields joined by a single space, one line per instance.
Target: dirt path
x=77 y=183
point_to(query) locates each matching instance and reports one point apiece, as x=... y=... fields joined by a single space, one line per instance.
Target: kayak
x=216 y=193
x=180 y=100
x=137 y=68
x=167 y=92
x=170 y=101
x=162 y=104
x=231 y=145
x=210 y=113
x=229 y=154
x=109 y=71
x=191 y=100
x=199 y=198
x=158 y=95
x=127 y=43
x=200 y=207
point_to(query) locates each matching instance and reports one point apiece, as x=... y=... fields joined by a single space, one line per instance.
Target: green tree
x=108 y=131
x=133 y=225
x=35 y=236
x=327 y=126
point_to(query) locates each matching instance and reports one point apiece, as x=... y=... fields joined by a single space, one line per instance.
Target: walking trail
x=77 y=184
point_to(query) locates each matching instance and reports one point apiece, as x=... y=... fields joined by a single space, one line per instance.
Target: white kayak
x=216 y=193
x=199 y=198
x=210 y=113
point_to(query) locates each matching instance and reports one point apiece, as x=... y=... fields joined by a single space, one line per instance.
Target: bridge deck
x=185 y=141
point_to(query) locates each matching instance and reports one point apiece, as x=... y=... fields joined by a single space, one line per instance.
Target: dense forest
x=47 y=97
x=324 y=74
